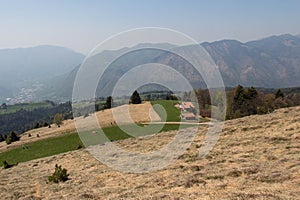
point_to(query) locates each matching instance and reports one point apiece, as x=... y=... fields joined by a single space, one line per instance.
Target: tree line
x=240 y=102
x=109 y=103
x=24 y=120
x=248 y=101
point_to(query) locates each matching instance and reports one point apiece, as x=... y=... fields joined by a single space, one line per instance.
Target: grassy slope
x=29 y=106
x=42 y=148
x=52 y=146
x=173 y=114
x=256 y=157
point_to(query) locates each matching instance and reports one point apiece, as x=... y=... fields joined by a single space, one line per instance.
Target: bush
x=37 y=125
x=8 y=141
x=261 y=110
x=60 y=175
x=6 y=165
x=58 y=119
x=79 y=145
x=12 y=137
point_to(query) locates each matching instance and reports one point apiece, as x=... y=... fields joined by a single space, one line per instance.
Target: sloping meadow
x=256 y=157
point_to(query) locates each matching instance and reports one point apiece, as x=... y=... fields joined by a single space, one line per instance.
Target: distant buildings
x=187 y=111
x=188 y=116
x=187 y=106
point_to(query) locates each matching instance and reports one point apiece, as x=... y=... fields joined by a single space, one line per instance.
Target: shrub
x=6 y=165
x=12 y=137
x=8 y=140
x=79 y=145
x=60 y=175
x=58 y=119
x=37 y=125
x=261 y=110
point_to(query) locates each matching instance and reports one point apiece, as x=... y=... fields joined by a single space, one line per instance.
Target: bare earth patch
x=256 y=157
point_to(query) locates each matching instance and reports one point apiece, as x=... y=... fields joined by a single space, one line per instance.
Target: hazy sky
x=82 y=24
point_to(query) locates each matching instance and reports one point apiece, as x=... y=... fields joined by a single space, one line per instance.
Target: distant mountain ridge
x=23 y=67
x=272 y=62
x=269 y=62
x=44 y=60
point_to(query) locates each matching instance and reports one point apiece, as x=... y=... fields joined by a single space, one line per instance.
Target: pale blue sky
x=82 y=24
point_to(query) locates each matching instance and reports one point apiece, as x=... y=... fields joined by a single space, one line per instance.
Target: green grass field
x=115 y=133
x=42 y=148
x=173 y=114
x=69 y=142
x=25 y=106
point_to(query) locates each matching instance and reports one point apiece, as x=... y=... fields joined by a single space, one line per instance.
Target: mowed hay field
x=256 y=157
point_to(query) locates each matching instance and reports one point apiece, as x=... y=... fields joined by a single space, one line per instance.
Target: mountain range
x=272 y=62
x=24 y=70
x=269 y=62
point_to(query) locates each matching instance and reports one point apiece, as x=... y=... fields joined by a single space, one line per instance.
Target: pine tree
x=109 y=102
x=135 y=98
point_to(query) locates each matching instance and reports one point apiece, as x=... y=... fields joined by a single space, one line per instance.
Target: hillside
x=32 y=62
x=272 y=62
x=256 y=157
x=269 y=62
x=138 y=112
x=27 y=69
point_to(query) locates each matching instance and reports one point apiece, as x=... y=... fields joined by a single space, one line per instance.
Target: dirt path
x=185 y=123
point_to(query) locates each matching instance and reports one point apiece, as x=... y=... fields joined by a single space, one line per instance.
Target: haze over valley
x=48 y=72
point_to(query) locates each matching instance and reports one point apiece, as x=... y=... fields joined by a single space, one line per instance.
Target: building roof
x=187 y=104
x=185 y=115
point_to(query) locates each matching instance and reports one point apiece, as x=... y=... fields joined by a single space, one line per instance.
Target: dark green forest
x=27 y=119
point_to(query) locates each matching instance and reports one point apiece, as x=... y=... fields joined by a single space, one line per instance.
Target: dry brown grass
x=257 y=157
x=139 y=113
